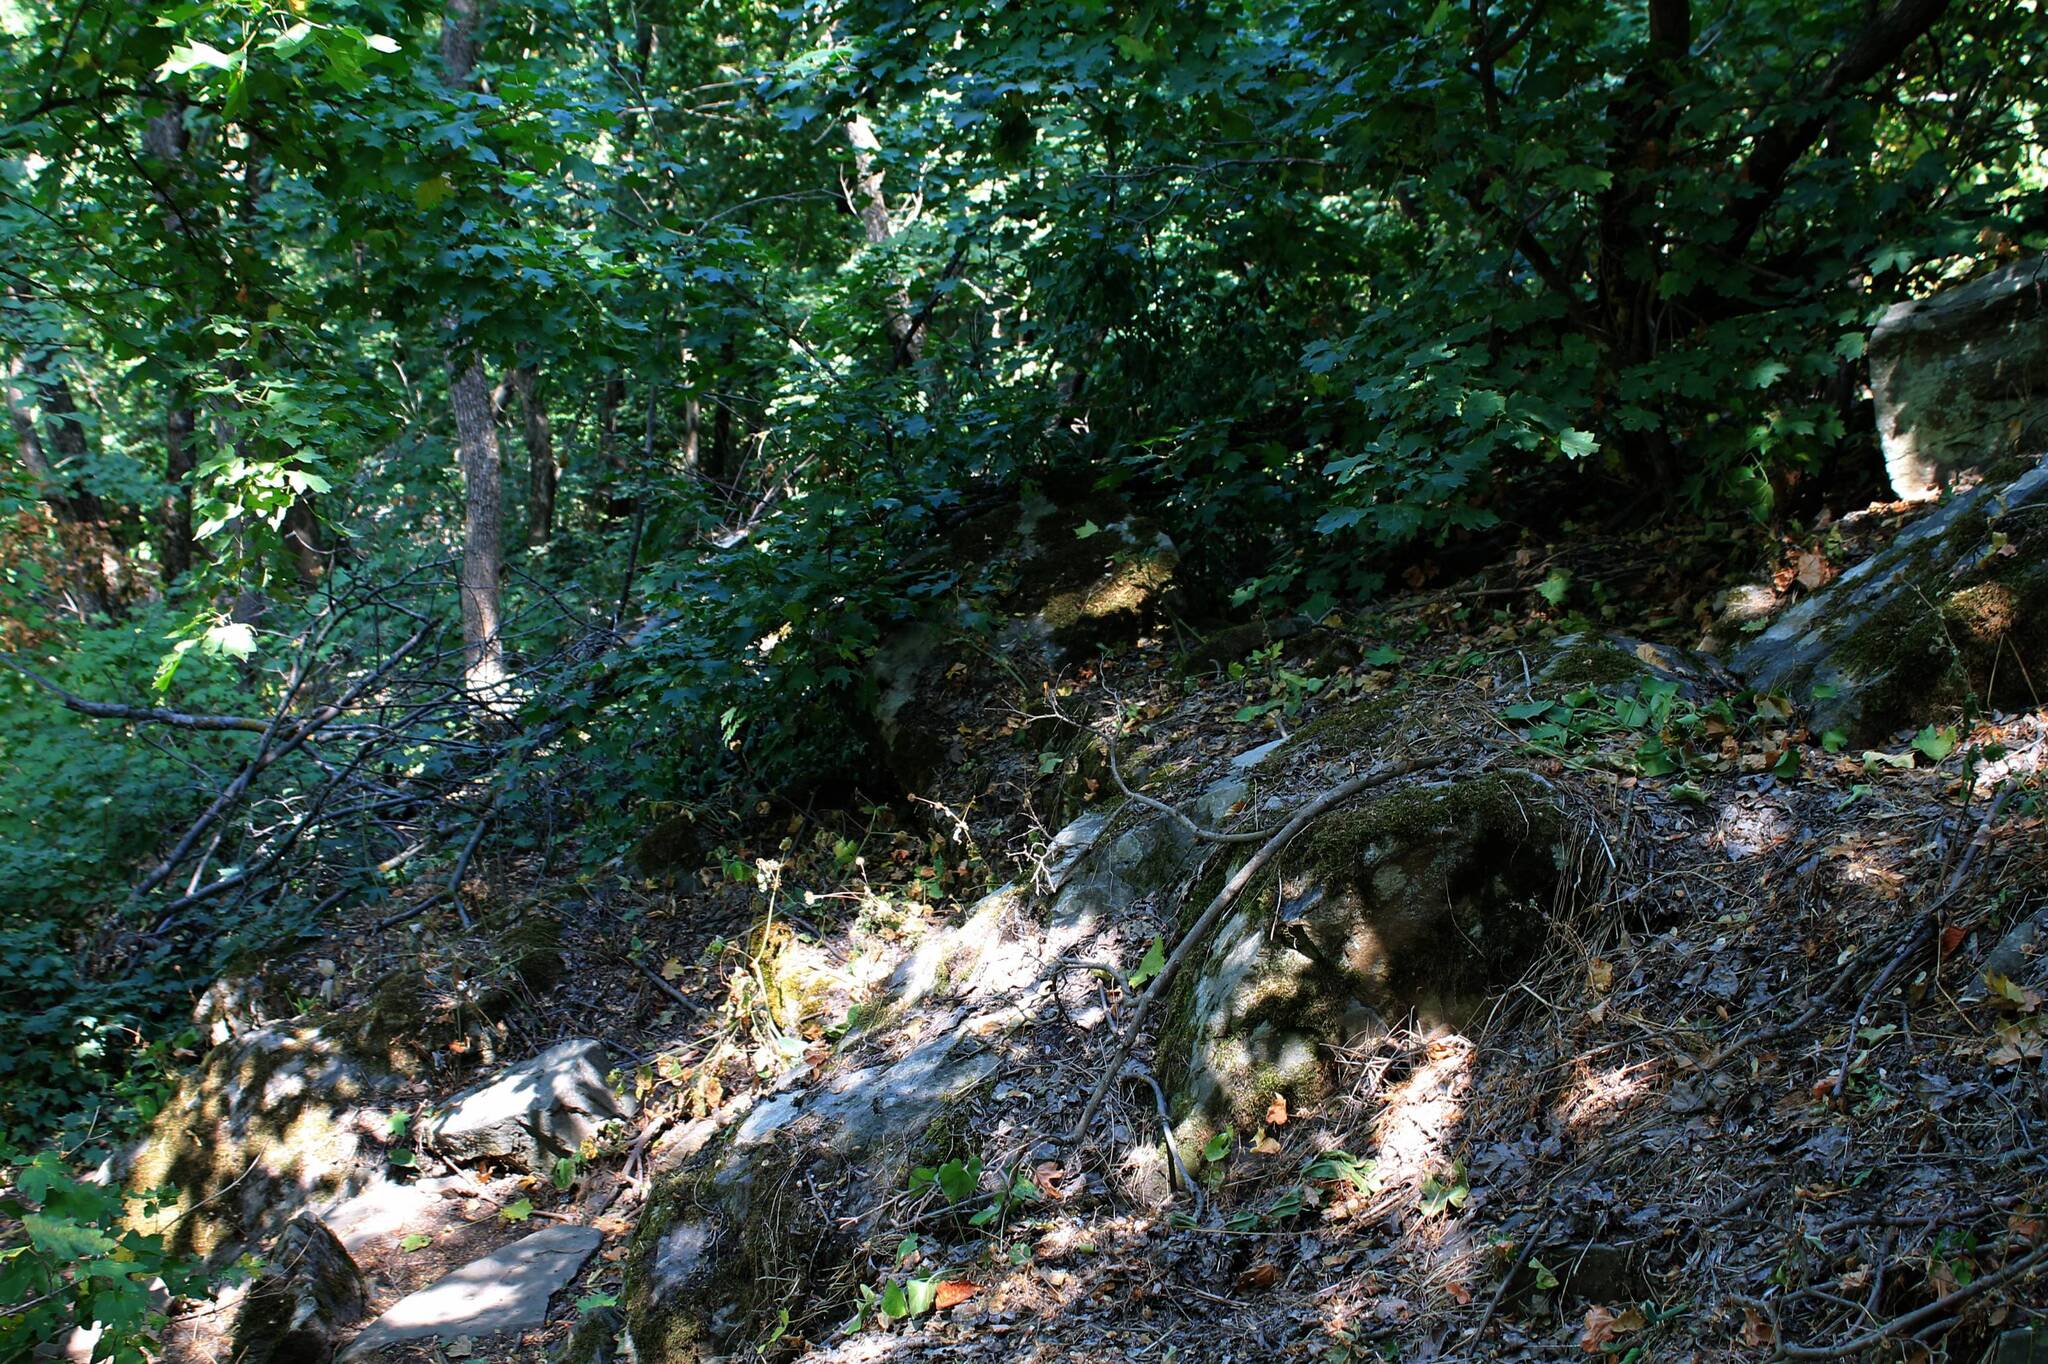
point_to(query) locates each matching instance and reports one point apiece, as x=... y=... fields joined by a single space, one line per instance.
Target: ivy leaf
x=517 y=1212
x=1151 y=964
x=1936 y=744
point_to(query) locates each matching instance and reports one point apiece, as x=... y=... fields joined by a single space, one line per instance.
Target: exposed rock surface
x=1955 y=607
x=272 y=1121
x=310 y=1291
x=507 y=1290
x=721 y=1238
x=532 y=1114
x=1418 y=902
x=1961 y=379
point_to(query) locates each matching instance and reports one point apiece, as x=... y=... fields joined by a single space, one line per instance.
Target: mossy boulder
x=772 y=1208
x=270 y=1123
x=1417 y=904
x=1615 y=663
x=1960 y=380
x=1955 y=609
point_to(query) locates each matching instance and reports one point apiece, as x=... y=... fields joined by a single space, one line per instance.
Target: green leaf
x=591 y=1302
x=517 y=1212
x=1382 y=656
x=1086 y=529
x=431 y=192
x=379 y=43
x=195 y=56
x=1545 y=1280
x=1151 y=964
x=1553 y=588
x=414 y=1242
x=1577 y=444
x=1936 y=744
x=1218 y=1146
x=65 y=1239
x=895 y=1306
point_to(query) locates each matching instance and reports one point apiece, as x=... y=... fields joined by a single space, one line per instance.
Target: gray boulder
x=1956 y=607
x=309 y=1292
x=1961 y=379
x=532 y=1114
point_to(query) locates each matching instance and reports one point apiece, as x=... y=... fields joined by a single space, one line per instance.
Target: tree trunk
x=89 y=557
x=905 y=336
x=540 y=458
x=476 y=432
x=483 y=651
x=164 y=138
x=180 y=460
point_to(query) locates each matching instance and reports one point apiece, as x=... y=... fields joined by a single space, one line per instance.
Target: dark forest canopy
x=620 y=363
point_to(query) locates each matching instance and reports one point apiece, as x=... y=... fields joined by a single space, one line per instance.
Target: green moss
x=1593 y=663
x=1501 y=810
x=1348 y=728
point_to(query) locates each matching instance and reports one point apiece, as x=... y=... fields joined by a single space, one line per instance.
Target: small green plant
x=1285 y=690
x=77 y=1264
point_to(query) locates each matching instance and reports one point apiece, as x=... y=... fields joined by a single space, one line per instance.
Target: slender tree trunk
x=540 y=458
x=90 y=560
x=180 y=461
x=476 y=431
x=906 y=338
x=483 y=649
x=164 y=138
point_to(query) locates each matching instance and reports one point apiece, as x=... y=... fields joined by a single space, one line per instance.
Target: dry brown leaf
x=953 y=1292
x=1812 y=571
x=1262 y=1275
x=1599 y=1329
x=1276 y=1111
x=1600 y=974
x=1756 y=1333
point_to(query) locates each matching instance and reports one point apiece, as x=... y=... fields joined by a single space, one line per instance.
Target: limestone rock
x=2027 y=1345
x=1609 y=663
x=271 y=1122
x=310 y=1292
x=1419 y=902
x=533 y=1113
x=1956 y=606
x=507 y=1290
x=1961 y=379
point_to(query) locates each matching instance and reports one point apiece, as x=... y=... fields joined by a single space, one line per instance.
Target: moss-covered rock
x=1956 y=608
x=1420 y=903
x=269 y=1123
x=774 y=1205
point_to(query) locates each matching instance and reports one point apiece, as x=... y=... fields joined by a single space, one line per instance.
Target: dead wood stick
x=660 y=982
x=1232 y=888
x=266 y=757
x=110 y=710
x=1919 y=1317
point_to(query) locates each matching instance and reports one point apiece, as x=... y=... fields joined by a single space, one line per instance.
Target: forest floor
x=1754 y=1100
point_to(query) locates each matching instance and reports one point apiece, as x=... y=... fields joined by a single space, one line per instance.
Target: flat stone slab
x=507 y=1290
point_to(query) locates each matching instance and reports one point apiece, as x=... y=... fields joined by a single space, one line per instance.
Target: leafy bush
x=68 y=1262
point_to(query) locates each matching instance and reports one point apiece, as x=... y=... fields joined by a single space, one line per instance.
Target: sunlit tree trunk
x=476 y=434
x=899 y=325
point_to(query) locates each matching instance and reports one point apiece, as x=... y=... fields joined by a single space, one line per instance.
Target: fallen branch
x=1234 y=887
x=1920 y=1316
x=109 y=710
